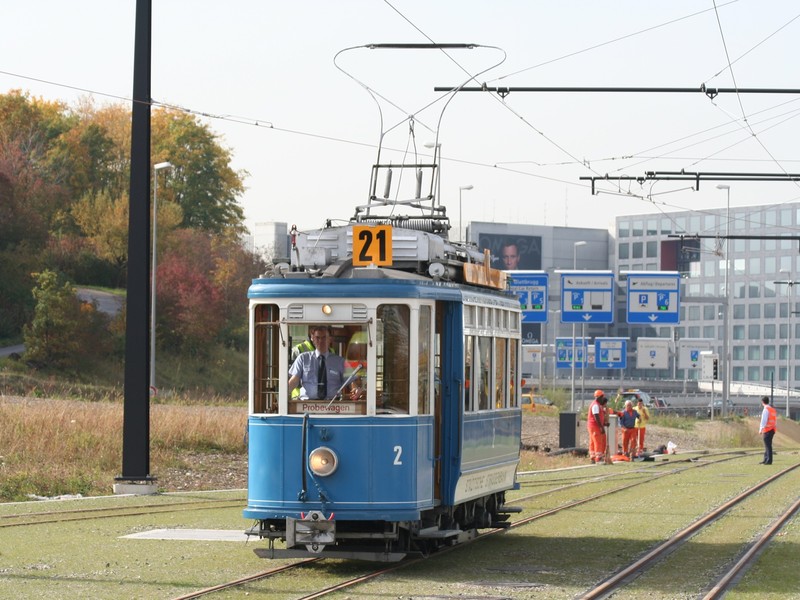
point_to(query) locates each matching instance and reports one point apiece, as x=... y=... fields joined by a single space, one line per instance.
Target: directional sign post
x=611 y=353
x=587 y=296
x=654 y=297
x=532 y=287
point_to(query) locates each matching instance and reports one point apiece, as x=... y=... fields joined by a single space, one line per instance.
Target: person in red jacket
x=767 y=428
x=596 y=423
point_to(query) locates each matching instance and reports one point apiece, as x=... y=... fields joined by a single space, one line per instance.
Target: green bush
x=64 y=332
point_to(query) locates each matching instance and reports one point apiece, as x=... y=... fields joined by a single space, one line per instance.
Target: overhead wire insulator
x=388 y=187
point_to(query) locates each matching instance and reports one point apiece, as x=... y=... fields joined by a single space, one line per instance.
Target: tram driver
x=318 y=372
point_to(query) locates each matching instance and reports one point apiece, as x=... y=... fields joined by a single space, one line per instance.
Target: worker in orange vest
x=767 y=428
x=596 y=423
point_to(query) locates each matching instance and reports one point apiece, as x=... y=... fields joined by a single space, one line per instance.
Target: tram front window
x=328 y=363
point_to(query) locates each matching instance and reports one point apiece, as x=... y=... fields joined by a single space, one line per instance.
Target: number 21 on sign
x=372 y=245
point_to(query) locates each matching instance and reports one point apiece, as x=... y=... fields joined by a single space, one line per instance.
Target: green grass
x=219 y=377
x=672 y=420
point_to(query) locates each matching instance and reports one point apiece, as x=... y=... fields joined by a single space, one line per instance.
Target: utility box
x=611 y=435
x=568 y=430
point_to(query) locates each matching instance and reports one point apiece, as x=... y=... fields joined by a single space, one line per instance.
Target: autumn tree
x=64 y=179
x=202 y=283
x=27 y=198
x=202 y=181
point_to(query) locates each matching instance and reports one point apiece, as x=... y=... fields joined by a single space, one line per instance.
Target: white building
x=271 y=239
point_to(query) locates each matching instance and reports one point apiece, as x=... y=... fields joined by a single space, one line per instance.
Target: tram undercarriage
x=318 y=535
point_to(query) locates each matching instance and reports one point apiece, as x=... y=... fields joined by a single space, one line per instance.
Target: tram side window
x=468 y=377
x=424 y=361
x=512 y=362
x=500 y=378
x=437 y=353
x=266 y=344
x=392 y=378
x=483 y=373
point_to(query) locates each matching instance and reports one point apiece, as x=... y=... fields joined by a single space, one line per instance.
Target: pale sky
x=263 y=75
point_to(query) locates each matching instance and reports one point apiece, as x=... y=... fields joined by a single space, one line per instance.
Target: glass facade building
x=764 y=325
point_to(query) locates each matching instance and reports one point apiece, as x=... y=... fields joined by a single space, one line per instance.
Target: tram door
x=446 y=360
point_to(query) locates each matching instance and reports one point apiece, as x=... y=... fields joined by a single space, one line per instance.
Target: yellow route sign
x=372 y=245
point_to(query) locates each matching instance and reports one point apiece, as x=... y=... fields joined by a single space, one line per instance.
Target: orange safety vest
x=772 y=418
x=591 y=424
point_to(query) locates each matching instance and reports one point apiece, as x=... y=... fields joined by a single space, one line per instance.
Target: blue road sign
x=654 y=297
x=611 y=353
x=565 y=355
x=532 y=288
x=587 y=297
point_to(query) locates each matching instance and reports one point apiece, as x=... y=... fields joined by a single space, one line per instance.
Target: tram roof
x=371 y=288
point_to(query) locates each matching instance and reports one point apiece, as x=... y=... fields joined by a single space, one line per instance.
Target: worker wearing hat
x=596 y=423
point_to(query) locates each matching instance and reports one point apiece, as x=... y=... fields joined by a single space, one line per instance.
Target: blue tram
x=420 y=442
x=425 y=454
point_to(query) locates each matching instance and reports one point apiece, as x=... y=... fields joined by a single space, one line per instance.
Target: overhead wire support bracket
x=700 y=236
x=710 y=92
x=696 y=177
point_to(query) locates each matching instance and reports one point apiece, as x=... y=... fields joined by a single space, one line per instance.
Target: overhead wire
x=262 y=123
x=715 y=8
x=610 y=42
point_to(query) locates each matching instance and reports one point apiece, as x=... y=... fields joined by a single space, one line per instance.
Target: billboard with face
x=511 y=253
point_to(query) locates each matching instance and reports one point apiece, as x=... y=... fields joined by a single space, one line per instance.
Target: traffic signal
x=709 y=366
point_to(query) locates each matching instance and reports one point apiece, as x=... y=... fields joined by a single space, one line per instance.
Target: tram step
x=433 y=532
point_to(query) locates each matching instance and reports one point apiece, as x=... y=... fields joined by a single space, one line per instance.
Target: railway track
x=81 y=514
x=647 y=474
x=652 y=558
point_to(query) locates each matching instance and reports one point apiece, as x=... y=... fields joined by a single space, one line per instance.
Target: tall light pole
x=156 y=168
x=789 y=283
x=726 y=317
x=461 y=236
x=575 y=246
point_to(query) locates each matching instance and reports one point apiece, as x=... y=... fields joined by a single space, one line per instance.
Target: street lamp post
x=461 y=237
x=726 y=317
x=575 y=246
x=555 y=337
x=789 y=283
x=156 y=168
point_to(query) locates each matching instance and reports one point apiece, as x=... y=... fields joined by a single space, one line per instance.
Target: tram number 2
x=398 y=455
x=372 y=245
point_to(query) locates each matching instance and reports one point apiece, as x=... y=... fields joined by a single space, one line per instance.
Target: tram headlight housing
x=323 y=461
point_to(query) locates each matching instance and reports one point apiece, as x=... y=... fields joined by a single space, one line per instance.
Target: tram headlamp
x=323 y=461
x=327 y=309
